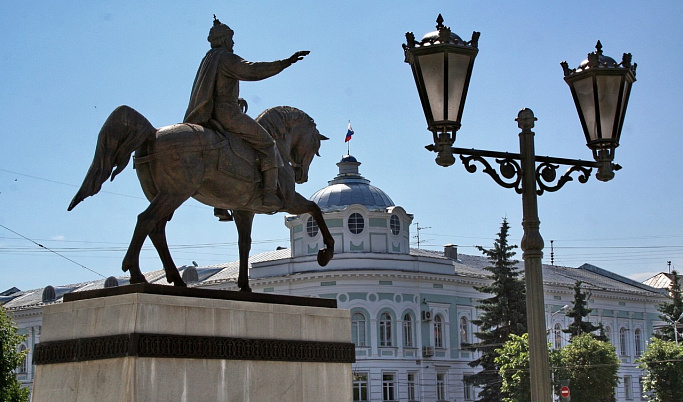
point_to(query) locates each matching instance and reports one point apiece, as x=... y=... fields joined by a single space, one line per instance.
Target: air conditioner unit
x=428 y=351
x=426 y=315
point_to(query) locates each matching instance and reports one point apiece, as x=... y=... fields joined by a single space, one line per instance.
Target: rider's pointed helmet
x=218 y=30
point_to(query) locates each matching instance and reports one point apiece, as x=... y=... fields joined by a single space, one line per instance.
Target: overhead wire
x=624 y=254
x=52 y=251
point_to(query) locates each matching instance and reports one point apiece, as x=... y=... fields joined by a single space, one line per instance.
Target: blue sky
x=64 y=66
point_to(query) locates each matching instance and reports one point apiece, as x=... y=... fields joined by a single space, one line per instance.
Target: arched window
x=395 y=225
x=558 y=335
x=464 y=330
x=190 y=275
x=358 y=329
x=637 y=339
x=608 y=333
x=622 y=342
x=438 y=332
x=49 y=294
x=385 y=330
x=356 y=223
x=23 y=366
x=111 y=282
x=408 y=331
x=311 y=227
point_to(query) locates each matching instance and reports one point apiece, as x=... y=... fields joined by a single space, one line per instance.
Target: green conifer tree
x=501 y=315
x=672 y=310
x=578 y=312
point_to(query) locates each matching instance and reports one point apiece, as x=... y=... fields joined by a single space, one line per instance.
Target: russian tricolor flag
x=349 y=133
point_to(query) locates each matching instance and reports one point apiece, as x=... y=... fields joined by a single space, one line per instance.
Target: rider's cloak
x=218 y=80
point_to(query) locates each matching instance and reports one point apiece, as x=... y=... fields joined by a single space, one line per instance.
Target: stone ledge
x=149 y=288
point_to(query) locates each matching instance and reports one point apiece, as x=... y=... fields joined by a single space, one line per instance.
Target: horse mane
x=278 y=120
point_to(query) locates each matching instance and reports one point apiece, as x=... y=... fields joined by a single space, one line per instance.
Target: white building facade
x=411 y=310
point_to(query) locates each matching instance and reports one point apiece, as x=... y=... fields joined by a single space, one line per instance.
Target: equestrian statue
x=219 y=156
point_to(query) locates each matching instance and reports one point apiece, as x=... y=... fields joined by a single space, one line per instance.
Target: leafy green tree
x=672 y=309
x=663 y=362
x=10 y=390
x=578 y=312
x=502 y=315
x=591 y=366
x=513 y=363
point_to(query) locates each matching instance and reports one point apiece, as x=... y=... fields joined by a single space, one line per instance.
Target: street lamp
x=563 y=310
x=674 y=323
x=442 y=66
x=601 y=88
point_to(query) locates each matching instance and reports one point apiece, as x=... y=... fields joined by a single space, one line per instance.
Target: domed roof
x=349 y=187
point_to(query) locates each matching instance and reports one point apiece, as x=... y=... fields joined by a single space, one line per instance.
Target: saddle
x=237 y=158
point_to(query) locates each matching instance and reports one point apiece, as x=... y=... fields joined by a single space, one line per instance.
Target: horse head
x=297 y=137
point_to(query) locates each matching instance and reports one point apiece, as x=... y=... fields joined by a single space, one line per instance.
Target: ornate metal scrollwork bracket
x=509 y=172
x=546 y=173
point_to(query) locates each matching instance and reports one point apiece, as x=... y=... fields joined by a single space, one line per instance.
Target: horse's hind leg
x=243 y=221
x=158 y=237
x=161 y=207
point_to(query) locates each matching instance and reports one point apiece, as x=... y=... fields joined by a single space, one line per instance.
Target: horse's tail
x=124 y=131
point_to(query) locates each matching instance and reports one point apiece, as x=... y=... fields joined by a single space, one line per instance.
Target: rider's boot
x=270 y=199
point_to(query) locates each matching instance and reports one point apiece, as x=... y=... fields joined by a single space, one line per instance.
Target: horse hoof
x=137 y=279
x=176 y=281
x=324 y=256
x=245 y=288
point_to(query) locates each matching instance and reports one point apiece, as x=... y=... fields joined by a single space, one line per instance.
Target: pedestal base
x=156 y=347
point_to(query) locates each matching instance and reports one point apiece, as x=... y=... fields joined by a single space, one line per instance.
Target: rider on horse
x=214 y=103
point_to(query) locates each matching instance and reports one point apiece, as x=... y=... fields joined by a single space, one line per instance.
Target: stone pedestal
x=146 y=346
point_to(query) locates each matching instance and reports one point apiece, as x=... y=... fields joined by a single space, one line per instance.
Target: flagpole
x=349 y=133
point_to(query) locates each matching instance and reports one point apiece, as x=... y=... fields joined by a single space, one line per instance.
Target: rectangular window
x=385 y=330
x=412 y=390
x=360 y=387
x=628 y=389
x=438 y=332
x=388 y=387
x=358 y=329
x=441 y=386
x=468 y=388
x=408 y=331
x=623 y=350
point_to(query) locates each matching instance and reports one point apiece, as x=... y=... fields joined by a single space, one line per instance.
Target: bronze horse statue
x=176 y=162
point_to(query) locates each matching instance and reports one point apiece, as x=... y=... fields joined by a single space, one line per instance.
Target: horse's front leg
x=326 y=254
x=301 y=205
x=244 y=221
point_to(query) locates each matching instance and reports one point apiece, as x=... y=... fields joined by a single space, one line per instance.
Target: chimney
x=450 y=251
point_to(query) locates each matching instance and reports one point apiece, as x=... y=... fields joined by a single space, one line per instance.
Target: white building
x=411 y=309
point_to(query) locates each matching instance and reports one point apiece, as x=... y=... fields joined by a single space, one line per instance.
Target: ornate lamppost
x=442 y=67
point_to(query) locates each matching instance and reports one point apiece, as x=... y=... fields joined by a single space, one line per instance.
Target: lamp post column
x=532 y=247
